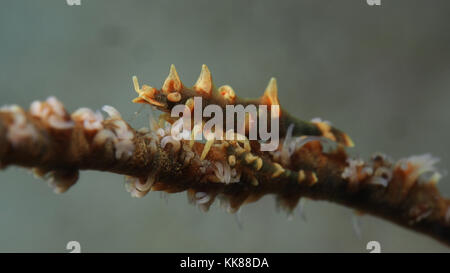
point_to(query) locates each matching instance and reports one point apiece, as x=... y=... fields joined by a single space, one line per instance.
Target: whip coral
x=312 y=161
x=19 y=130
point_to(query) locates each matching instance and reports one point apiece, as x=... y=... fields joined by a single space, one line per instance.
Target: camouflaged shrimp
x=174 y=92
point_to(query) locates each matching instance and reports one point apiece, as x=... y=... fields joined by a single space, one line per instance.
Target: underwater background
x=379 y=73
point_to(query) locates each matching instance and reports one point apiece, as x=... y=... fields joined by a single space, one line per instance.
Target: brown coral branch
x=57 y=145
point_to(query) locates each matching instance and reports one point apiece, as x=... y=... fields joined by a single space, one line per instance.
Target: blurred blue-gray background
x=382 y=74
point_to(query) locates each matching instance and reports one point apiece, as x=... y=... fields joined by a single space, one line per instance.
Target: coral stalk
x=56 y=145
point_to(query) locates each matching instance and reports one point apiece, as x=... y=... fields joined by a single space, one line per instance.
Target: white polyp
x=227 y=173
x=351 y=171
x=224 y=173
x=124 y=148
x=51 y=183
x=122 y=131
x=58 y=123
x=56 y=106
x=112 y=112
x=61 y=182
x=169 y=139
x=123 y=139
x=160 y=132
x=95 y=123
x=298 y=142
x=148 y=183
x=14 y=109
x=36 y=108
x=81 y=114
x=130 y=183
x=376 y=180
x=91 y=120
x=58 y=188
x=19 y=130
x=53 y=112
x=367 y=170
x=421 y=164
x=202 y=198
x=219 y=171
x=18 y=134
x=104 y=135
x=138 y=194
x=382 y=176
x=383 y=171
